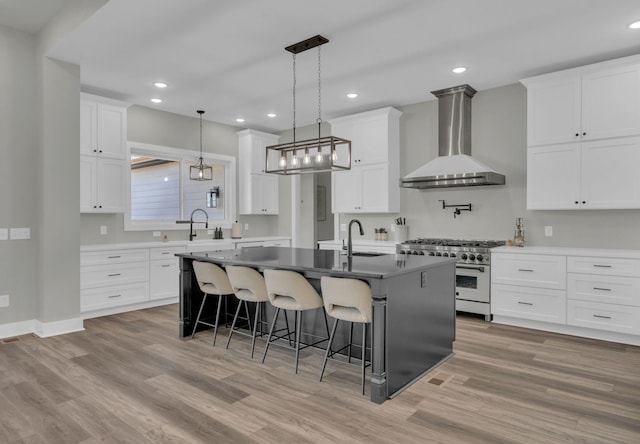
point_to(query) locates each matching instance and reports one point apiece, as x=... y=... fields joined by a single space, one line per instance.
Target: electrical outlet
x=19 y=233
x=4 y=300
x=4 y=234
x=103 y=230
x=343 y=227
x=548 y=230
x=246 y=226
x=156 y=234
x=423 y=279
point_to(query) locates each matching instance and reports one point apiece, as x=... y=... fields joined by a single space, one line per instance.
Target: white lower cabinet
x=164 y=273
x=601 y=300
x=113 y=296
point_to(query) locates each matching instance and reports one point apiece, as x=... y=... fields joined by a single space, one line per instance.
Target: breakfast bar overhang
x=413 y=325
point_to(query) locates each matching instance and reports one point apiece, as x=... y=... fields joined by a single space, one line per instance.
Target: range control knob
x=415 y=253
x=402 y=252
x=431 y=253
x=421 y=253
x=452 y=255
x=479 y=257
x=438 y=254
x=445 y=254
x=464 y=256
x=472 y=257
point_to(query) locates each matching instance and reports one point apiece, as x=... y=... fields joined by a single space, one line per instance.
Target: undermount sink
x=366 y=254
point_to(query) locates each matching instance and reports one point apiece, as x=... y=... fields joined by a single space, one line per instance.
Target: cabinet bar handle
x=113 y=257
x=114 y=275
x=524 y=303
x=601 y=266
x=524 y=269
x=602 y=317
x=166 y=252
x=114 y=296
x=601 y=289
x=166 y=265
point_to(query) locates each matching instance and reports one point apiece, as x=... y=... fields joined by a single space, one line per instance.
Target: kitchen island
x=413 y=325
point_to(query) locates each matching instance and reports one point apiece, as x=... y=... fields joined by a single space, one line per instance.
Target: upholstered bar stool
x=347 y=300
x=289 y=290
x=213 y=281
x=249 y=286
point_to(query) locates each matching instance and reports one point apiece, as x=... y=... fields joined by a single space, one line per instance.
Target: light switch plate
x=343 y=227
x=548 y=230
x=103 y=230
x=157 y=234
x=4 y=234
x=4 y=300
x=19 y=233
x=246 y=226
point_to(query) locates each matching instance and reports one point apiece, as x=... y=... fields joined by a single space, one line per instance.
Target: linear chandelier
x=322 y=154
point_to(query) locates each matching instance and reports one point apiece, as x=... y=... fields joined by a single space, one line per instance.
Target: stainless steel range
x=473 y=269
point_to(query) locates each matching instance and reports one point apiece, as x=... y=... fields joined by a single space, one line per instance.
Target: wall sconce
x=212 y=197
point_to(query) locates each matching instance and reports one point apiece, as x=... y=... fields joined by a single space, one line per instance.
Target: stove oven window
x=467 y=282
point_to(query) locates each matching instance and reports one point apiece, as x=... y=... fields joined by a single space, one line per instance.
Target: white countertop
x=177 y=243
x=567 y=251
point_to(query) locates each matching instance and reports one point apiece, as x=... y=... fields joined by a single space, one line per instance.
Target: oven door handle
x=471 y=267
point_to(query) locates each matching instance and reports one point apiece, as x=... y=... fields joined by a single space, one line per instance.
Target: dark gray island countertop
x=323 y=261
x=413 y=306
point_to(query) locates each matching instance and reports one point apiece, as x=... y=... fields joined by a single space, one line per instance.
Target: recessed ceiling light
x=635 y=25
x=156 y=100
x=352 y=95
x=239 y=120
x=459 y=69
x=272 y=115
x=160 y=85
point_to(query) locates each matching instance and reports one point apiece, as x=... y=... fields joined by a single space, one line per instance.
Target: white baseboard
x=41 y=329
x=130 y=307
x=16 y=329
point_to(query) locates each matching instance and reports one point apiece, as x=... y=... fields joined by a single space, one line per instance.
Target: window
x=159 y=190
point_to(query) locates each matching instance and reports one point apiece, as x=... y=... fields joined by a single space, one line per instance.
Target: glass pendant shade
x=200 y=171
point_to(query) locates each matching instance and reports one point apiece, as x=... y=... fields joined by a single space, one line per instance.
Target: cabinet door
x=553 y=177
x=112 y=131
x=373 y=141
x=375 y=188
x=164 y=279
x=264 y=194
x=611 y=102
x=88 y=182
x=554 y=111
x=346 y=191
x=610 y=176
x=110 y=185
x=88 y=127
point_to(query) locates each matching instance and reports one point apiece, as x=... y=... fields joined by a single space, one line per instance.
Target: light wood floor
x=129 y=378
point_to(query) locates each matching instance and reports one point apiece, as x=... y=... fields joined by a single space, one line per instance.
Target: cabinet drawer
x=604 y=265
x=276 y=243
x=538 y=304
x=605 y=289
x=113 y=256
x=165 y=252
x=164 y=279
x=610 y=317
x=117 y=274
x=97 y=298
x=213 y=246
x=529 y=270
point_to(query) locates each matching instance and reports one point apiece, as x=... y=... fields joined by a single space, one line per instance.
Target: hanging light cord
x=201 y=139
x=319 y=96
x=294 y=98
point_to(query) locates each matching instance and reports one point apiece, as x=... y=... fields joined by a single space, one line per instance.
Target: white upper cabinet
x=582 y=131
x=103 y=164
x=258 y=190
x=103 y=128
x=588 y=103
x=372 y=184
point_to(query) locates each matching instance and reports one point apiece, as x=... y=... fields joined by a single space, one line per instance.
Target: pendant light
x=200 y=171
x=318 y=155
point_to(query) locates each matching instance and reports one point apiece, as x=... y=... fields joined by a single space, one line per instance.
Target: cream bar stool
x=249 y=286
x=289 y=290
x=212 y=281
x=347 y=300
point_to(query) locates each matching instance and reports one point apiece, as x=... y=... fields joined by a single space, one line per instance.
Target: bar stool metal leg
x=255 y=327
x=195 y=325
x=364 y=352
x=298 y=328
x=273 y=324
x=326 y=354
x=215 y=328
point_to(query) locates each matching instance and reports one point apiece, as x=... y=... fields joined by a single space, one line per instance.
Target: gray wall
x=152 y=126
x=499 y=140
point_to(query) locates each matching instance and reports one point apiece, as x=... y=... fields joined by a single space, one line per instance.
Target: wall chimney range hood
x=454 y=167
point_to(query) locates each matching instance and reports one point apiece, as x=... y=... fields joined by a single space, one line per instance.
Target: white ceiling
x=228 y=57
x=29 y=15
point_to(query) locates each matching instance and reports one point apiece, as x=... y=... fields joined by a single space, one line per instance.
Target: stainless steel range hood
x=454 y=167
